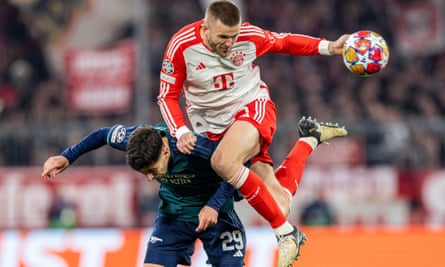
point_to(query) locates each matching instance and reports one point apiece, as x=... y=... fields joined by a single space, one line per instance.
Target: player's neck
x=204 y=39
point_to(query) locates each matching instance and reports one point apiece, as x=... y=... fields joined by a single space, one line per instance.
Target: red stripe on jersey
x=168 y=98
x=295 y=35
x=163 y=90
x=187 y=36
x=250 y=30
x=165 y=111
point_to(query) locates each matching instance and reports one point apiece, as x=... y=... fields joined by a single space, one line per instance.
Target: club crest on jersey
x=237 y=58
x=167 y=66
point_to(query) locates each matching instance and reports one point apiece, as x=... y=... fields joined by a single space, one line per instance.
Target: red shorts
x=262 y=114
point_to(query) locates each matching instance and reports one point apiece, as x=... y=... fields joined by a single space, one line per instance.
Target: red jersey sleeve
x=281 y=43
x=173 y=73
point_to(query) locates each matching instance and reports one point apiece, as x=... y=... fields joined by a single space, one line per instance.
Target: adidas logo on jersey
x=201 y=66
x=238 y=254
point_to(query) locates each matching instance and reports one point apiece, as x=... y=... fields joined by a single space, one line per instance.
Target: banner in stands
x=417 y=21
x=100 y=81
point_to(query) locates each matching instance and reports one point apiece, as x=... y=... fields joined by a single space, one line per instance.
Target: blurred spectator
x=21 y=56
x=61 y=213
x=16 y=148
x=48 y=105
x=148 y=203
x=317 y=212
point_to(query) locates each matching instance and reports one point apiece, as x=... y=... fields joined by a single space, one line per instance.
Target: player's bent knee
x=217 y=162
x=223 y=165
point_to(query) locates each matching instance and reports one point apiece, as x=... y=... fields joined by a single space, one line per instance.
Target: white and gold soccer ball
x=365 y=53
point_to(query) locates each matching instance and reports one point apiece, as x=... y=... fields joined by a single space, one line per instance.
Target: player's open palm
x=207 y=217
x=54 y=165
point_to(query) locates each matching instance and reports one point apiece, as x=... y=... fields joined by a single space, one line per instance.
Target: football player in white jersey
x=211 y=62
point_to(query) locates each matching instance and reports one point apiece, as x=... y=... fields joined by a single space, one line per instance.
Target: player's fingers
x=48 y=166
x=45 y=172
x=189 y=148
x=186 y=143
x=201 y=227
x=182 y=145
x=185 y=147
x=51 y=173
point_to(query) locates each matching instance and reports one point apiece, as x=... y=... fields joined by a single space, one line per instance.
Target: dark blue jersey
x=189 y=184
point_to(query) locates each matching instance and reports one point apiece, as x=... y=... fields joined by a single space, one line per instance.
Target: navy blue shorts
x=172 y=242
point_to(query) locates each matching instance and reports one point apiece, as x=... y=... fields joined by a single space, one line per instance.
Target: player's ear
x=205 y=27
x=165 y=148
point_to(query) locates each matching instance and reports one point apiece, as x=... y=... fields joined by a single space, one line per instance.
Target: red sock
x=256 y=193
x=291 y=169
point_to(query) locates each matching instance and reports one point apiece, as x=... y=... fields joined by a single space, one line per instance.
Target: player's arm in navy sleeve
x=224 y=192
x=93 y=140
x=204 y=148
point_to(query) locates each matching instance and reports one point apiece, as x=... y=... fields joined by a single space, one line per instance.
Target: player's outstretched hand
x=336 y=47
x=207 y=217
x=54 y=165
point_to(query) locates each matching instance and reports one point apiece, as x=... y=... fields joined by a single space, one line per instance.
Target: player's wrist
x=181 y=131
x=213 y=206
x=323 y=48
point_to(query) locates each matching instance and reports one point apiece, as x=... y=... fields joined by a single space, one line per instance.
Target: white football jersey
x=217 y=88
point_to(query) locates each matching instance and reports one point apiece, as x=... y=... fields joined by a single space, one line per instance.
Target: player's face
x=159 y=168
x=220 y=38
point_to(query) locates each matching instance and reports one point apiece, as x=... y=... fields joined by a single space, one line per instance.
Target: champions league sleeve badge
x=167 y=66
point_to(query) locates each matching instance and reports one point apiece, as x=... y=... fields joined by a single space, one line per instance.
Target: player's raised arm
x=57 y=164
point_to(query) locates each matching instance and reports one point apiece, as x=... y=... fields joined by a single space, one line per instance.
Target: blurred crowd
x=397 y=115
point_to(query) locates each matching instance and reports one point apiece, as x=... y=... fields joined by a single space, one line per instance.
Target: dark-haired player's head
x=148 y=152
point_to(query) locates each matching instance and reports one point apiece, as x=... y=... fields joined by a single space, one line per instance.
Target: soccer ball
x=365 y=53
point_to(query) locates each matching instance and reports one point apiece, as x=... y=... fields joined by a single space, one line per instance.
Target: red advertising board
x=102 y=196
x=108 y=196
